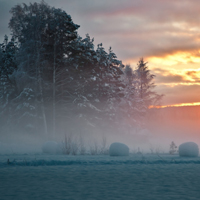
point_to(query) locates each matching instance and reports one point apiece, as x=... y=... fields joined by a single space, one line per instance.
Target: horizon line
x=177 y=105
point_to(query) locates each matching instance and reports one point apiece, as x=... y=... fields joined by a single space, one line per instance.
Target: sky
x=166 y=33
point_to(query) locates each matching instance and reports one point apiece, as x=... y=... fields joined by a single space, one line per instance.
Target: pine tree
x=83 y=61
x=8 y=64
x=145 y=84
x=45 y=35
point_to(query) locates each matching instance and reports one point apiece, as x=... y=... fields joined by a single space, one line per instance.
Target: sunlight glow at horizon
x=177 y=105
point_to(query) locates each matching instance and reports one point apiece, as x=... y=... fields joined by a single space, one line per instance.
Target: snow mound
x=50 y=147
x=118 y=149
x=189 y=149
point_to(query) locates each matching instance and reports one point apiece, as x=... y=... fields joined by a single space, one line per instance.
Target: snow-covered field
x=148 y=177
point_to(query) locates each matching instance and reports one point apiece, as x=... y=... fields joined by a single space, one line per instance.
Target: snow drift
x=189 y=149
x=118 y=149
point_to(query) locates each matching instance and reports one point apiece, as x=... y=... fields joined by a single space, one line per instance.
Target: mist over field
x=177 y=124
x=149 y=170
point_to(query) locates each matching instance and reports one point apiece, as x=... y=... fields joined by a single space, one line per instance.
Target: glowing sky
x=165 y=32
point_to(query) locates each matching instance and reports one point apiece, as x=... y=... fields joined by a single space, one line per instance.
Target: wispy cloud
x=179 y=94
x=134 y=28
x=173 y=77
x=144 y=28
x=178 y=86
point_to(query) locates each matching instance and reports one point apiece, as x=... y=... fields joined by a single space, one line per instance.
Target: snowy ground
x=148 y=177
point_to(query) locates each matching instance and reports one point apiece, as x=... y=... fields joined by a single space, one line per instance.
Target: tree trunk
x=54 y=91
x=41 y=92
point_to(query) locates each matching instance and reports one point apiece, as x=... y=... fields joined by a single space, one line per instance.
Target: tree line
x=52 y=79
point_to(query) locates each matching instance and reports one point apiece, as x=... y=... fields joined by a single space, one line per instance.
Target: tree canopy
x=51 y=78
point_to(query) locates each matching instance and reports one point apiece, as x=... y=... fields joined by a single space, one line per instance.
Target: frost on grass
x=118 y=149
x=189 y=149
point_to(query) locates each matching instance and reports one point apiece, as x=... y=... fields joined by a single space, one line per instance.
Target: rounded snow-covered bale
x=188 y=149
x=50 y=147
x=118 y=149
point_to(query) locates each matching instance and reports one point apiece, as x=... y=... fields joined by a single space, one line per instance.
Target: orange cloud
x=180 y=57
x=175 y=77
